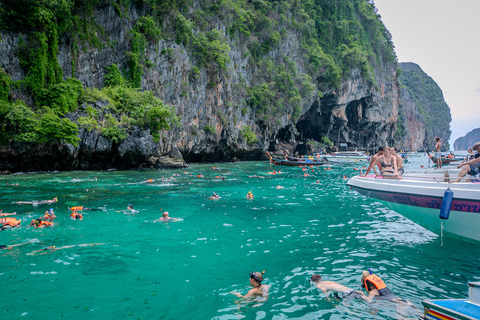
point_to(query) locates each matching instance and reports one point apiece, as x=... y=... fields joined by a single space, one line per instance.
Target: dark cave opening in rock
x=355 y=112
x=315 y=123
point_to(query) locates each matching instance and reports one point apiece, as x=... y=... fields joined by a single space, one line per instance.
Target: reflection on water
x=187 y=269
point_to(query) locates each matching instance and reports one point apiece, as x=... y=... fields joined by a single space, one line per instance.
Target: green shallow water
x=187 y=269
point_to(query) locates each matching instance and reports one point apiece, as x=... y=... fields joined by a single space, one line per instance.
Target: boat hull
x=344 y=159
x=421 y=203
x=455 y=309
x=279 y=162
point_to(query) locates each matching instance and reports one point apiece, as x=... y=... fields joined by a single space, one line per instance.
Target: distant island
x=463 y=143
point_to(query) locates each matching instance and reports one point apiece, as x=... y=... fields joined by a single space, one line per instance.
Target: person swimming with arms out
x=166 y=218
x=129 y=210
x=36 y=203
x=3 y=214
x=258 y=289
x=11 y=246
x=53 y=248
x=340 y=291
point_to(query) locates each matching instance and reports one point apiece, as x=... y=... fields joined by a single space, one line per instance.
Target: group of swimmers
x=373 y=284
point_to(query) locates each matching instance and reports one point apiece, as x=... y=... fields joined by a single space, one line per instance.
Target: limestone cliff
x=216 y=109
x=424 y=114
x=463 y=143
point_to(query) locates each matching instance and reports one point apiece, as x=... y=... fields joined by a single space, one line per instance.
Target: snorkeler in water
x=39 y=223
x=214 y=197
x=256 y=279
x=340 y=290
x=76 y=216
x=49 y=215
x=36 y=203
x=9 y=222
x=53 y=248
x=377 y=289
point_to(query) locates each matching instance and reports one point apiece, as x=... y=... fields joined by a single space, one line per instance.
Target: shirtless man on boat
x=438 y=153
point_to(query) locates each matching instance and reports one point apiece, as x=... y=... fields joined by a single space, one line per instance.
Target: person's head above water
x=256 y=277
x=365 y=274
x=130 y=207
x=165 y=214
x=316 y=278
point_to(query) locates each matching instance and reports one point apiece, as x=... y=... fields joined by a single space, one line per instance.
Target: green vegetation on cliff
x=430 y=103
x=335 y=38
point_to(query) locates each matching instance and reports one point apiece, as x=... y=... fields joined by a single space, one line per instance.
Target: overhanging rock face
x=213 y=111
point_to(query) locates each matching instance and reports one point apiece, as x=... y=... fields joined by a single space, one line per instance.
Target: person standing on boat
x=374 y=159
x=388 y=165
x=438 y=154
x=472 y=167
x=399 y=158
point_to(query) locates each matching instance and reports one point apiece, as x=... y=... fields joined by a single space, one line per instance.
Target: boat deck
x=451 y=309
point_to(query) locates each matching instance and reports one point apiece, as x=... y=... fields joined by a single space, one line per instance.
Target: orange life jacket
x=76 y=215
x=45 y=224
x=10 y=221
x=376 y=281
x=78 y=208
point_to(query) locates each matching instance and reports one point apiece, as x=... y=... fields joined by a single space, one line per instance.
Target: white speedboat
x=418 y=197
x=346 y=156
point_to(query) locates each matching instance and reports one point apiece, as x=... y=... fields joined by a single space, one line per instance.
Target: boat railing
x=440 y=177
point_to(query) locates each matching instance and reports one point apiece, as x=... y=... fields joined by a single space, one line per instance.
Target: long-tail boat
x=445 y=160
x=294 y=163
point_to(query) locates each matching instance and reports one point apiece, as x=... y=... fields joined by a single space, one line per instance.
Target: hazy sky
x=443 y=38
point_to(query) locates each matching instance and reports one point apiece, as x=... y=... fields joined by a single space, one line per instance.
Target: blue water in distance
x=139 y=269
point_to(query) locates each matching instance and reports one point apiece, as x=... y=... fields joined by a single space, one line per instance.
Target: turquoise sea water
x=187 y=269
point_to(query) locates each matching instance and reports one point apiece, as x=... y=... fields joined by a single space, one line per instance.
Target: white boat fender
x=446 y=204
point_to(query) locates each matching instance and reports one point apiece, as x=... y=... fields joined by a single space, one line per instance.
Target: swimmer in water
x=250 y=194
x=340 y=290
x=11 y=246
x=259 y=289
x=75 y=215
x=49 y=215
x=53 y=248
x=280 y=187
x=129 y=210
x=214 y=197
x=39 y=223
x=165 y=218
x=377 y=289
x=2 y=214
x=9 y=223
x=35 y=203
